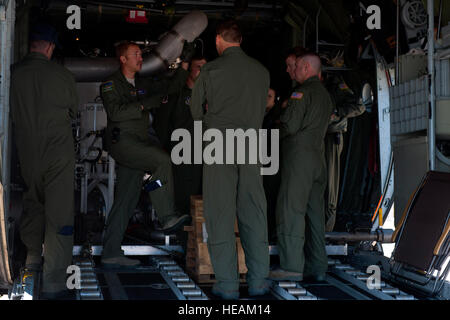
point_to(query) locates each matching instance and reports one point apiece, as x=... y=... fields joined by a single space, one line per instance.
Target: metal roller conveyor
x=172 y=268
x=89 y=286
x=180 y=283
x=198 y=298
x=343 y=267
x=359 y=279
x=354 y=272
x=287 y=284
x=166 y=263
x=332 y=262
x=181 y=279
x=85 y=263
x=391 y=291
x=404 y=297
x=176 y=273
x=339 y=270
x=88 y=275
x=85 y=268
x=297 y=291
x=183 y=285
x=191 y=292
x=290 y=290
x=90 y=294
x=307 y=298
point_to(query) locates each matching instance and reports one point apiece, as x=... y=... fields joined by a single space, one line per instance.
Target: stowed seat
x=422 y=239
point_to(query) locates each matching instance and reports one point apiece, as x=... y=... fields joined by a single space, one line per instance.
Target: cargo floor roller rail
x=416 y=271
x=412 y=273
x=160 y=277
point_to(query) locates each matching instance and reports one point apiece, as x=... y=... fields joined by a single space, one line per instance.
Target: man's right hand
x=185 y=65
x=152 y=101
x=334 y=118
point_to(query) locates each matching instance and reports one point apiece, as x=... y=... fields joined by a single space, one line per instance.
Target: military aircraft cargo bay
x=354 y=139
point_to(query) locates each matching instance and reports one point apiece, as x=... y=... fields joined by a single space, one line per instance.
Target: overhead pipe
x=379 y=235
x=171 y=45
x=91 y=69
x=438 y=35
x=166 y=52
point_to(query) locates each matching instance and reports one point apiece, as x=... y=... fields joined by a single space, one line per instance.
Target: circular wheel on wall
x=414 y=14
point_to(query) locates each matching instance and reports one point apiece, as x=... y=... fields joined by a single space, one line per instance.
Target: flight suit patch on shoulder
x=297 y=95
x=107 y=86
x=343 y=86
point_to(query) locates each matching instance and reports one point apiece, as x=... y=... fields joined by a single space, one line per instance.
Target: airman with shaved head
x=300 y=206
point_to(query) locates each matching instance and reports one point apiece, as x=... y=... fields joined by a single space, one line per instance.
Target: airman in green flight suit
x=300 y=205
x=128 y=99
x=234 y=87
x=43 y=103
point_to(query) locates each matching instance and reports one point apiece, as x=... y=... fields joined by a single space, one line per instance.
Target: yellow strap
x=405 y=211
x=442 y=239
x=376 y=210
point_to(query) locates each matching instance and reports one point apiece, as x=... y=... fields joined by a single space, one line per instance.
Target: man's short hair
x=229 y=31
x=297 y=52
x=39 y=44
x=121 y=48
x=43 y=31
x=313 y=59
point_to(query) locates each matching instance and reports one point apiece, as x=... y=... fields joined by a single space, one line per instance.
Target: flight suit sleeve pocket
x=292 y=117
x=116 y=107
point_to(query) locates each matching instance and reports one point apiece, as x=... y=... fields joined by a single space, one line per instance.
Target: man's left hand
x=188 y=51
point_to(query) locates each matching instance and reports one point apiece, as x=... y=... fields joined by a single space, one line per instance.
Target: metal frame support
x=25 y=286
x=111 y=172
x=332 y=250
x=432 y=114
x=317 y=29
x=384 y=133
x=7 y=21
x=397 y=43
x=133 y=250
x=304 y=31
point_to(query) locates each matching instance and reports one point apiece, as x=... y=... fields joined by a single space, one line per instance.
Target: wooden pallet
x=198 y=261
